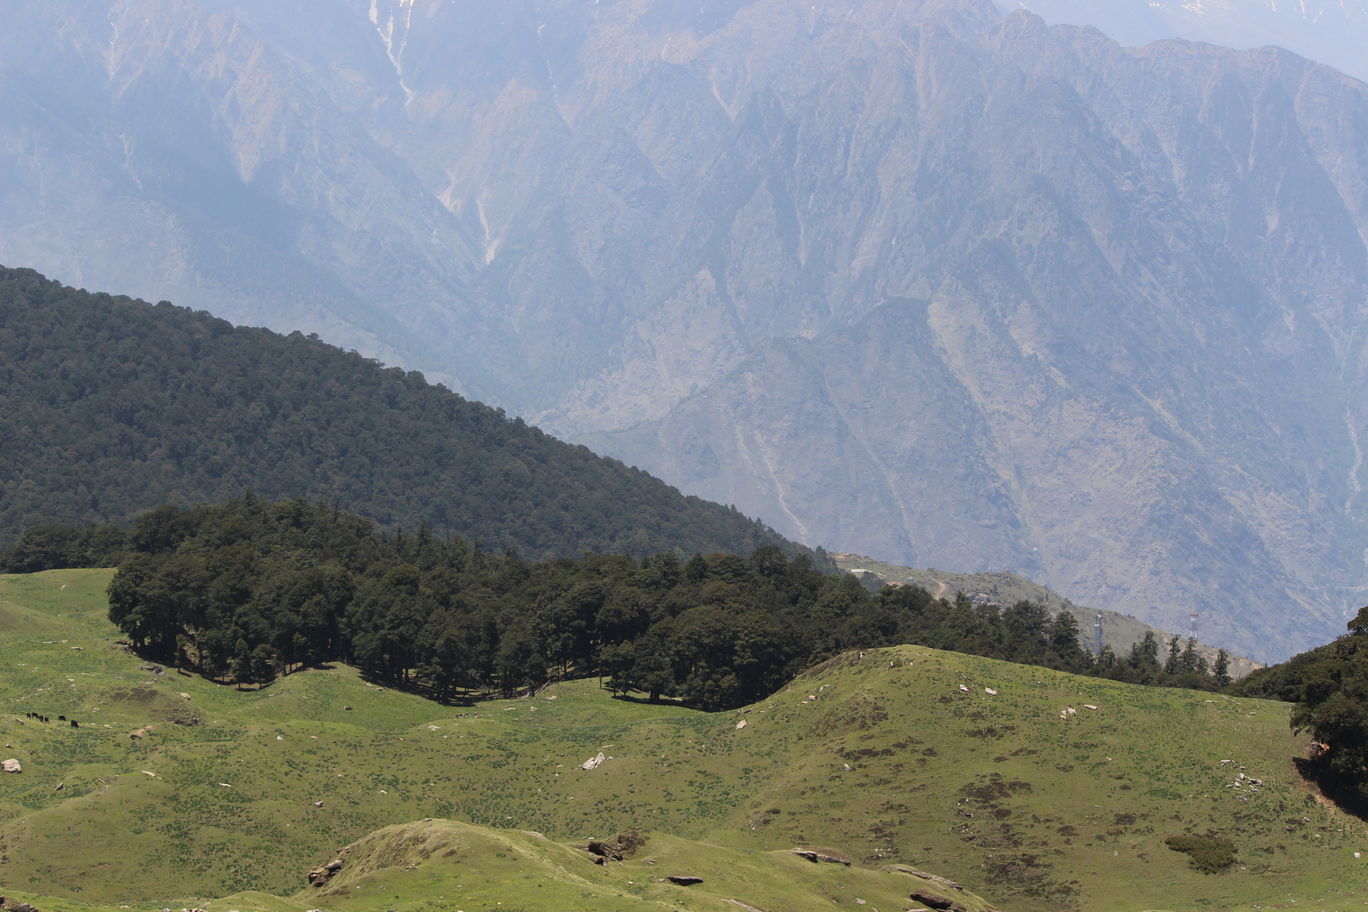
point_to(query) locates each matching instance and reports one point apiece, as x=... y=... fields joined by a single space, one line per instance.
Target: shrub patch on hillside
x=1209 y=854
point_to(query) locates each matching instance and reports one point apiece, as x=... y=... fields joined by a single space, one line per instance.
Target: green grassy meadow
x=894 y=757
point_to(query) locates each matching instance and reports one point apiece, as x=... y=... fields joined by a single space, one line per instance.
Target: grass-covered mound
x=432 y=863
x=445 y=864
x=899 y=756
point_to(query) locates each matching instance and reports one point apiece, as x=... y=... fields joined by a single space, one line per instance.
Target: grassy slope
x=998 y=792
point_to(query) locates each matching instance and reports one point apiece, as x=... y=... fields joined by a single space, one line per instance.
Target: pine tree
x=1222 y=669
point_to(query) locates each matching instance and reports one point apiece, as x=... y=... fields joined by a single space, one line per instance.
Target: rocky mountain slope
x=903 y=277
x=1334 y=32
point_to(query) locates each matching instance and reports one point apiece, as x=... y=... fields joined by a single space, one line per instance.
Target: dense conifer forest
x=249 y=590
x=111 y=406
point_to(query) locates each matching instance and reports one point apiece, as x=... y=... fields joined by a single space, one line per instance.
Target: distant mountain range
x=1119 y=631
x=902 y=277
x=1333 y=32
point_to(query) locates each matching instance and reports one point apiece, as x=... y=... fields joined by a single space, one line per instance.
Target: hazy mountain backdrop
x=866 y=269
x=1330 y=31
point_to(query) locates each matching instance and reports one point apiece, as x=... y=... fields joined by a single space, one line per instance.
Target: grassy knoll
x=882 y=756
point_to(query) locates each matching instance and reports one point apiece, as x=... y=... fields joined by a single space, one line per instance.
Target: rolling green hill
x=110 y=406
x=899 y=756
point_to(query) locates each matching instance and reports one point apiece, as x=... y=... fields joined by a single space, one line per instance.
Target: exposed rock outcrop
x=324 y=873
x=604 y=850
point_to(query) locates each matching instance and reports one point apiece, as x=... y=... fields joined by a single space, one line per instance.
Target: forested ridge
x=248 y=590
x=111 y=406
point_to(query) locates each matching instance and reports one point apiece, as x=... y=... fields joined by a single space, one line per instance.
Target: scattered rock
x=318 y=804
x=741 y=724
x=1089 y=706
x=432 y=728
x=964 y=688
x=943 y=882
x=61 y=786
x=828 y=855
x=184 y=696
x=990 y=692
x=346 y=709
x=684 y=880
x=936 y=901
x=321 y=875
x=12 y=766
x=593 y=762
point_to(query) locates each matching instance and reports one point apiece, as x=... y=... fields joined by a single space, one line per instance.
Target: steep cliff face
x=905 y=278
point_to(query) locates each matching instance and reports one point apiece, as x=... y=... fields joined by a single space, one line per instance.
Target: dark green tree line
x=248 y=590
